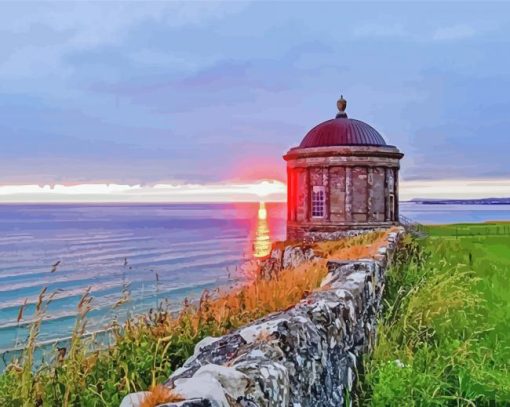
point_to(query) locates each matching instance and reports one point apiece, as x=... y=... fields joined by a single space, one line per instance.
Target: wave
x=106 y=318
x=16 y=239
x=209 y=262
x=102 y=266
x=103 y=254
x=188 y=250
x=59 y=295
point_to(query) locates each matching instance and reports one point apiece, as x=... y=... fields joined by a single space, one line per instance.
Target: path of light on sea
x=262 y=241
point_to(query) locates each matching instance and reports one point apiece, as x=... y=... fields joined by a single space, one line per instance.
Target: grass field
x=444 y=337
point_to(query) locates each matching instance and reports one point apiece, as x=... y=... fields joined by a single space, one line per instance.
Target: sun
x=262 y=212
x=265 y=188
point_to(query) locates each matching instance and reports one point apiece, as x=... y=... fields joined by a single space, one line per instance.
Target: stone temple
x=343 y=177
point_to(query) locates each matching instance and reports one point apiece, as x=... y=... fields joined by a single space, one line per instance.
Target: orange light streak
x=262 y=242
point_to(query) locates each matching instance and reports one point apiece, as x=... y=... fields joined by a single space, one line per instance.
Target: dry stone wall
x=305 y=356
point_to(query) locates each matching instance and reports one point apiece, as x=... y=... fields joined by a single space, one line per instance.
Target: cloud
x=373 y=30
x=453 y=33
x=199 y=92
x=268 y=190
x=29 y=31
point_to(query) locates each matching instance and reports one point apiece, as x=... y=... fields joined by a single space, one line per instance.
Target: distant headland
x=480 y=201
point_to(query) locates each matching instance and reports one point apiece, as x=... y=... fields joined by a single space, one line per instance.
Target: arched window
x=318 y=201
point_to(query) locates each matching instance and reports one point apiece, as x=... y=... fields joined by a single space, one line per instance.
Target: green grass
x=444 y=337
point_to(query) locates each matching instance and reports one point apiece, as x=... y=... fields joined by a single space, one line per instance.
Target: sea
x=133 y=257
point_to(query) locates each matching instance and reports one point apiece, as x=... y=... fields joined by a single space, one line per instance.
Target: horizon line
x=156 y=203
x=230 y=192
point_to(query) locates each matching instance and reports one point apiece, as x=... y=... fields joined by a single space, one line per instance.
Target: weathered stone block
x=359 y=190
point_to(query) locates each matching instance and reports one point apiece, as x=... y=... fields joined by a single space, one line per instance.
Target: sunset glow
x=263 y=190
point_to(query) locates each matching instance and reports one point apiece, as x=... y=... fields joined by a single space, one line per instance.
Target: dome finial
x=341 y=104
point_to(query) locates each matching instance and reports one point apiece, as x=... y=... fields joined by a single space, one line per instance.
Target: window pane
x=318 y=201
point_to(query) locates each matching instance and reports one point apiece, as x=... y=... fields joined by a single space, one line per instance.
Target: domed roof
x=342 y=131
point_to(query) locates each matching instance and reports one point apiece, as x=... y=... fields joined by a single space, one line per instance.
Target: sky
x=154 y=100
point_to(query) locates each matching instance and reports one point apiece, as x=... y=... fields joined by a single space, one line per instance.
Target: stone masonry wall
x=304 y=356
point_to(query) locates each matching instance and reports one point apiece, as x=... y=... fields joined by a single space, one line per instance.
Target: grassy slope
x=445 y=334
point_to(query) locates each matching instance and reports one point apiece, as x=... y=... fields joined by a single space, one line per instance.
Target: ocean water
x=142 y=253
x=443 y=214
x=151 y=252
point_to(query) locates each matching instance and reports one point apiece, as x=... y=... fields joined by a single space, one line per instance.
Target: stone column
x=370 y=194
x=308 y=195
x=293 y=194
x=397 y=216
x=390 y=190
x=289 y=194
x=302 y=195
x=327 y=197
x=386 y=195
x=348 y=194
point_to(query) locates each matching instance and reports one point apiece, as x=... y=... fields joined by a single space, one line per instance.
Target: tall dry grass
x=357 y=247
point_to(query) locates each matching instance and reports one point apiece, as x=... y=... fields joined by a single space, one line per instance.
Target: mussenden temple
x=343 y=177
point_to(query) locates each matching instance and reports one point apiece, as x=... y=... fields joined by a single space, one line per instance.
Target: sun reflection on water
x=262 y=241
